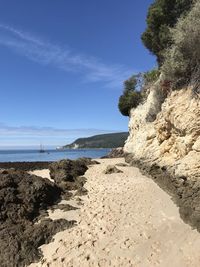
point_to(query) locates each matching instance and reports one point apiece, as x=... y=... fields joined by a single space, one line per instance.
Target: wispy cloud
x=46 y=53
x=32 y=135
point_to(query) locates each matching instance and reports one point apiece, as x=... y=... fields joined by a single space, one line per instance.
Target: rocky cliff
x=164 y=141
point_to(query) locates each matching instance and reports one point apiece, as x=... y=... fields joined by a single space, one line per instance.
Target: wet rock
x=112 y=169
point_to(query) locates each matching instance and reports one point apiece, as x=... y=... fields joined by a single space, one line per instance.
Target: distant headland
x=111 y=140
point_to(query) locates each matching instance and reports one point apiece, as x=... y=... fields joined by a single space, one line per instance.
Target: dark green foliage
x=100 y=141
x=151 y=76
x=182 y=60
x=128 y=101
x=162 y=15
x=130 y=84
x=130 y=97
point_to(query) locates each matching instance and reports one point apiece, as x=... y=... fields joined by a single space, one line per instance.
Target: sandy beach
x=125 y=220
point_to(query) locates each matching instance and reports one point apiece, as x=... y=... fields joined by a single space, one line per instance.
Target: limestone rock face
x=167 y=133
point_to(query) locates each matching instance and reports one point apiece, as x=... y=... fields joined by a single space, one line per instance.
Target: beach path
x=125 y=220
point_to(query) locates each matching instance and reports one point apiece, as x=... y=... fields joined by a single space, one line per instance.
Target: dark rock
x=82 y=191
x=115 y=153
x=88 y=161
x=112 y=169
x=66 y=195
x=122 y=165
x=66 y=173
x=64 y=207
x=23 y=197
x=25 y=166
x=19 y=242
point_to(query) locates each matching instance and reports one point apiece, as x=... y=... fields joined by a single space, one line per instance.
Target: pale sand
x=126 y=220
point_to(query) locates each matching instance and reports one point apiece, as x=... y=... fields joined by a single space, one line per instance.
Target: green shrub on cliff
x=182 y=60
x=173 y=35
x=148 y=79
x=128 y=101
x=163 y=15
x=151 y=76
x=130 y=98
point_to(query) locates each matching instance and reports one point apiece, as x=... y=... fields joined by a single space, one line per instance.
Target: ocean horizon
x=32 y=155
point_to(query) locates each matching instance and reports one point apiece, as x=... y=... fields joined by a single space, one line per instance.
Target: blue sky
x=62 y=67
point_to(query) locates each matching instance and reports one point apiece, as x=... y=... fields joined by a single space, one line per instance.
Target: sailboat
x=42 y=149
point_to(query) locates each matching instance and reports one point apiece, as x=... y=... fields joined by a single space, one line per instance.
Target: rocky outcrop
x=164 y=141
x=23 y=197
x=66 y=173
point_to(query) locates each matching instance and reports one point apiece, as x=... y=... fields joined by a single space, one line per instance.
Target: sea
x=50 y=155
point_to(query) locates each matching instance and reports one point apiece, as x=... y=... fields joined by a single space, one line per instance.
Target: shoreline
x=12 y=158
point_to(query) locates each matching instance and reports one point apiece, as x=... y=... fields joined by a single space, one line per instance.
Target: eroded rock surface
x=173 y=138
x=168 y=147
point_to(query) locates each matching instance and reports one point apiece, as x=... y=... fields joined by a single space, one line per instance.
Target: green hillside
x=112 y=140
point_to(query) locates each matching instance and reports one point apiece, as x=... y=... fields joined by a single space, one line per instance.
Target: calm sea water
x=50 y=155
